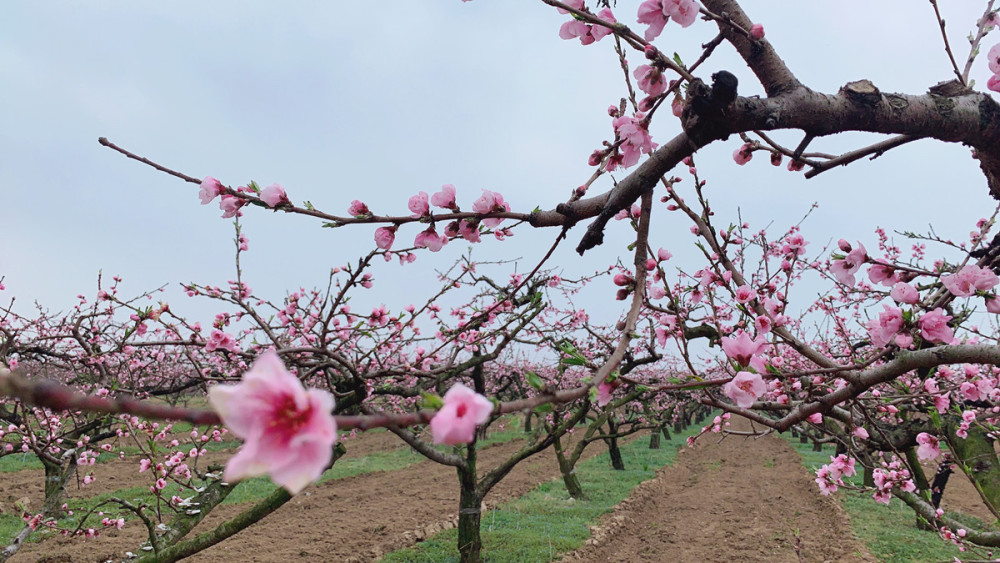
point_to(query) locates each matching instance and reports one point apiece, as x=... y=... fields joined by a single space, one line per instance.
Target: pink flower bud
x=743 y=154
x=757 y=31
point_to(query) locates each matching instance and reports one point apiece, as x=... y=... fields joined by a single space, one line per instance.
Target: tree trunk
x=527 y=421
x=654 y=440
x=817 y=446
x=470 y=502
x=978 y=460
x=616 y=455
x=56 y=475
x=666 y=432
x=470 y=543
x=573 y=486
x=567 y=467
x=940 y=481
x=920 y=480
x=869 y=480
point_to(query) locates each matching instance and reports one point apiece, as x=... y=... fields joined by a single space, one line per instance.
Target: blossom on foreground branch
x=463 y=410
x=288 y=431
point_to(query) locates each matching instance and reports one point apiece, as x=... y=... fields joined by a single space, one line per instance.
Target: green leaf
x=543 y=409
x=677 y=59
x=253 y=186
x=430 y=400
x=534 y=380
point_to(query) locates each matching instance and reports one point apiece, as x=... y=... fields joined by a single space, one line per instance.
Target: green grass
x=18 y=462
x=889 y=532
x=546 y=521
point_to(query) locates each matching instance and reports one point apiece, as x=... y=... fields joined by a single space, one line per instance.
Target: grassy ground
x=546 y=522
x=890 y=532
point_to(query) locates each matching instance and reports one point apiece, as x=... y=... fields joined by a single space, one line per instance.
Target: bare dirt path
x=727 y=501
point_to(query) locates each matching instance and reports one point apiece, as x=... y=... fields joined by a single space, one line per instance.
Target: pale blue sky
x=377 y=101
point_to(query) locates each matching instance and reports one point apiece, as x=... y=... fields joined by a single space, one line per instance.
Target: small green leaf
x=431 y=401
x=543 y=409
x=677 y=59
x=533 y=380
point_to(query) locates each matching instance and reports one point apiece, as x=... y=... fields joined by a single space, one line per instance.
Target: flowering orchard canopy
x=885 y=344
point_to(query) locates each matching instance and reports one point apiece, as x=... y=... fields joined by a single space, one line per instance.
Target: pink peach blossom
x=210 y=187
x=651 y=13
x=970 y=391
x=757 y=31
x=455 y=423
x=274 y=195
x=994 y=82
x=993 y=58
x=445 y=198
x=650 y=79
x=418 y=204
x=230 y=205
x=845 y=269
x=745 y=293
x=604 y=390
x=884 y=328
x=490 y=202
x=741 y=347
x=934 y=326
x=745 y=388
x=288 y=431
x=993 y=303
x=576 y=28
x=358 y=209
x=384 y=237
x=970 y=279
x=469 y=230
x=599 y=31
x=928 y=448
x=882 y=274
x=221 y=341
x=634 y=131
x=903 y=292
x=684 y=12
x=430 y=240
x=743 y=154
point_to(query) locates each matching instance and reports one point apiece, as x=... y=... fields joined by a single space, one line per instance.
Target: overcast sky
x=379 y=100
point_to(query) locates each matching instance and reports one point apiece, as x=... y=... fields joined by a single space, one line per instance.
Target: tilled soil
x=353 y=519
x=734 y=500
